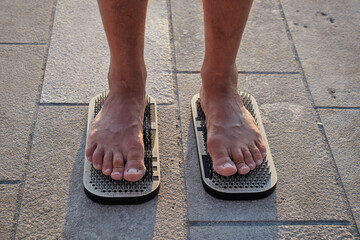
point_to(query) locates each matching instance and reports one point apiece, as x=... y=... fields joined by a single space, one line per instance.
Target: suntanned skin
x=233 y=139
x=115 y=143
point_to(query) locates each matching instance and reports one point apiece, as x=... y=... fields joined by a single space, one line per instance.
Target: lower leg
x=234 y=141
x=124 y=24
x=115 y=143
x=224 y=25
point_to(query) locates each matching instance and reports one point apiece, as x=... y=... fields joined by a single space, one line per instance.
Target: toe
x=243 y=167
x=134 y=168
x=107 y=164
x=90 y=151
x=261 y=147
x=224 y=166
x=222 y=163
x=97 y=158
x=239 y=159
x=118 y=166
x=256 y=155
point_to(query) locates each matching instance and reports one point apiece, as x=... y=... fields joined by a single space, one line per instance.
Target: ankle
x=127 y=79
x=219 y=80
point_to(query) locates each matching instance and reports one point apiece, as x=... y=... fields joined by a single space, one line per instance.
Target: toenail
x=107 y=170
x=244 y=167
x=251 y=165
x=259 y=161
x=97 y=166
x=264 y=155
x=226 y=165
x=132 y=170
x=89 y=159
x=115 y=173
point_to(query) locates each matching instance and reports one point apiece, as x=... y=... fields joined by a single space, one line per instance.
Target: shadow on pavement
x=86 y=219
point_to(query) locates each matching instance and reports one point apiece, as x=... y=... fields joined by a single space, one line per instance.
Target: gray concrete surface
x=20 y=79
x=270 y=232
x=327 y=40
x=79 y=55
x=26 y=23
x=298 y=58
x=298 y=149
x=342 y=127
x=265 y=43
x=8 y=197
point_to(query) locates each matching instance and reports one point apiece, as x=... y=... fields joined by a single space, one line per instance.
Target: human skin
x=115 y=143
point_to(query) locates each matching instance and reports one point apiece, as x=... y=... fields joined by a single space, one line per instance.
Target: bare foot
x=115 y=142
x=233 y=138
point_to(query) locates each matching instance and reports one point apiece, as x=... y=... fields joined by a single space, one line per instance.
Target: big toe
x=134 y=173
x=224 y=166
x=134 y=168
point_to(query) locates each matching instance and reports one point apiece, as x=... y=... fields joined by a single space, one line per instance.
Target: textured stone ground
x=299 y=58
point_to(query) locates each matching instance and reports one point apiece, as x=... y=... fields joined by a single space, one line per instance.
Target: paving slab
x=342 y=127
x=308 y=187
x=25 y=22
x=265 y=45
x=170 y=222
x=57 y=139
x=326 y=35
x=272 y=232
x=20 y=75
x=78 y=59
x=8 y=203
x=54 y=203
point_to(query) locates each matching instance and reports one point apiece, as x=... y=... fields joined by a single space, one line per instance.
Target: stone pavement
x=299 y=58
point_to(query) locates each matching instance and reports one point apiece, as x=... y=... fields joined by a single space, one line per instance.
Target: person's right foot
x=115 y=142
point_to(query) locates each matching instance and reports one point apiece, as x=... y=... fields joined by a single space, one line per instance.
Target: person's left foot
x=233 y=138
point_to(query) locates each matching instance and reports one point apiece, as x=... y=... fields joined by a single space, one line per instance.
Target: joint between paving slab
x=166 y=104
x=5 y=182
x=268 y=73
x=188 y=72
x=311 y=98
x=173 y=61
x=244 y=72
x=62 y=104
x=174 y=72
x=19 y=43
x=336 y=107
x=296 y=55
x=268 y=223
x=32 y=129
